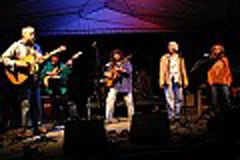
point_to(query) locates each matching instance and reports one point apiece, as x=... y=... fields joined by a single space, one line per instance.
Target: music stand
x=55 y=83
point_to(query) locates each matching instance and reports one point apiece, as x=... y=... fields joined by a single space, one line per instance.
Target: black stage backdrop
x=146 y=49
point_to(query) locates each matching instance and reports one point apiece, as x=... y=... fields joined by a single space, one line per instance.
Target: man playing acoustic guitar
x=119 y=80
x=55 y=75
x=20 y=60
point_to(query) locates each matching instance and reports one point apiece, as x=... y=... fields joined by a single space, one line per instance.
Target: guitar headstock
x=61 y=48
x=129 y=56
x=75 y=56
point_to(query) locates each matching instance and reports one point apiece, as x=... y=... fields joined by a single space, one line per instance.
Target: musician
x=122 y=84
x=219 y=78
x=27 y=93
x=57 y=73
x=173 y=79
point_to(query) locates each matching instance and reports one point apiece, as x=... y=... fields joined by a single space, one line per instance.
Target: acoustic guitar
x=19 y=75
x=57 y=70
x=115 y=74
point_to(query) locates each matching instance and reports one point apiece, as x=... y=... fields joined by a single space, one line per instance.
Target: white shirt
x=174 y=69
x=16 y=51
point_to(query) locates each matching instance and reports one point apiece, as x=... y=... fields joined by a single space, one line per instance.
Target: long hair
x=222 y=53
x=116 y=51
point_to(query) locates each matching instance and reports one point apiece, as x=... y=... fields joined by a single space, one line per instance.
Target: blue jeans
x=220 y=97
x=174 y=99
x=33 y=96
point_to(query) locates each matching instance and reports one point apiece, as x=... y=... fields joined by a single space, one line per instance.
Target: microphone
x=206 y=55
x=195 y=67
x=203 y=61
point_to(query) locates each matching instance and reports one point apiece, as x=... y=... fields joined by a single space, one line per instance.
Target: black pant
x=60 y=107
x=220 y=97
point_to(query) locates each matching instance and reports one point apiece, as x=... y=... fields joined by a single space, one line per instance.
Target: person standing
x=28 y=92
x=219 y=78
x=173 y=79
x=119 y=80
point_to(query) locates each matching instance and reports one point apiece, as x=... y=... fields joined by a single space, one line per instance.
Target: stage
x=191 y=140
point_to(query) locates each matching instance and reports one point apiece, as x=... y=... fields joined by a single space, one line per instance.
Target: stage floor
x=188 y=140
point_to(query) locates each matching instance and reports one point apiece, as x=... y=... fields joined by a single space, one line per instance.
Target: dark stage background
x=142 y=28
x=146 y=49
x=138 y=27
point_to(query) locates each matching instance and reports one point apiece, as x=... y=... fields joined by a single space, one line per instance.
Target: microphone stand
x=204 y=64
x=96 y=96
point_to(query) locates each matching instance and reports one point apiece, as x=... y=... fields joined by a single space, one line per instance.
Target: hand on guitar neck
x=48 y=55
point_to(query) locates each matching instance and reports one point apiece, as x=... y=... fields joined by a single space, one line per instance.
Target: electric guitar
x=55 y=72
x=115 y=74
x=19 y=75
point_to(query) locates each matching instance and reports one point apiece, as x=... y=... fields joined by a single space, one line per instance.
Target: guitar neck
x=66 y=63
x=61 y=69
x=127 y=58
x=65 y=66
x=47 y=56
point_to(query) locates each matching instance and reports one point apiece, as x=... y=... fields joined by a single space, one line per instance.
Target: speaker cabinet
x=84 y=136
x=150 y=128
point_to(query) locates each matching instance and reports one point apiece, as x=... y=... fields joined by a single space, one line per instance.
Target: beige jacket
x=164 y=75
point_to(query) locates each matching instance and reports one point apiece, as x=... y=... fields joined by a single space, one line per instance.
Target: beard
x=30 y=42
x=217 y=55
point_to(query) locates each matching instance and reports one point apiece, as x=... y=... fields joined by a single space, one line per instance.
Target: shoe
x=25 y=134
x=171 y=121
x=173 y=126
x=112 y=121
x=40 y=130
x=108 y=122
x=60 y=127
